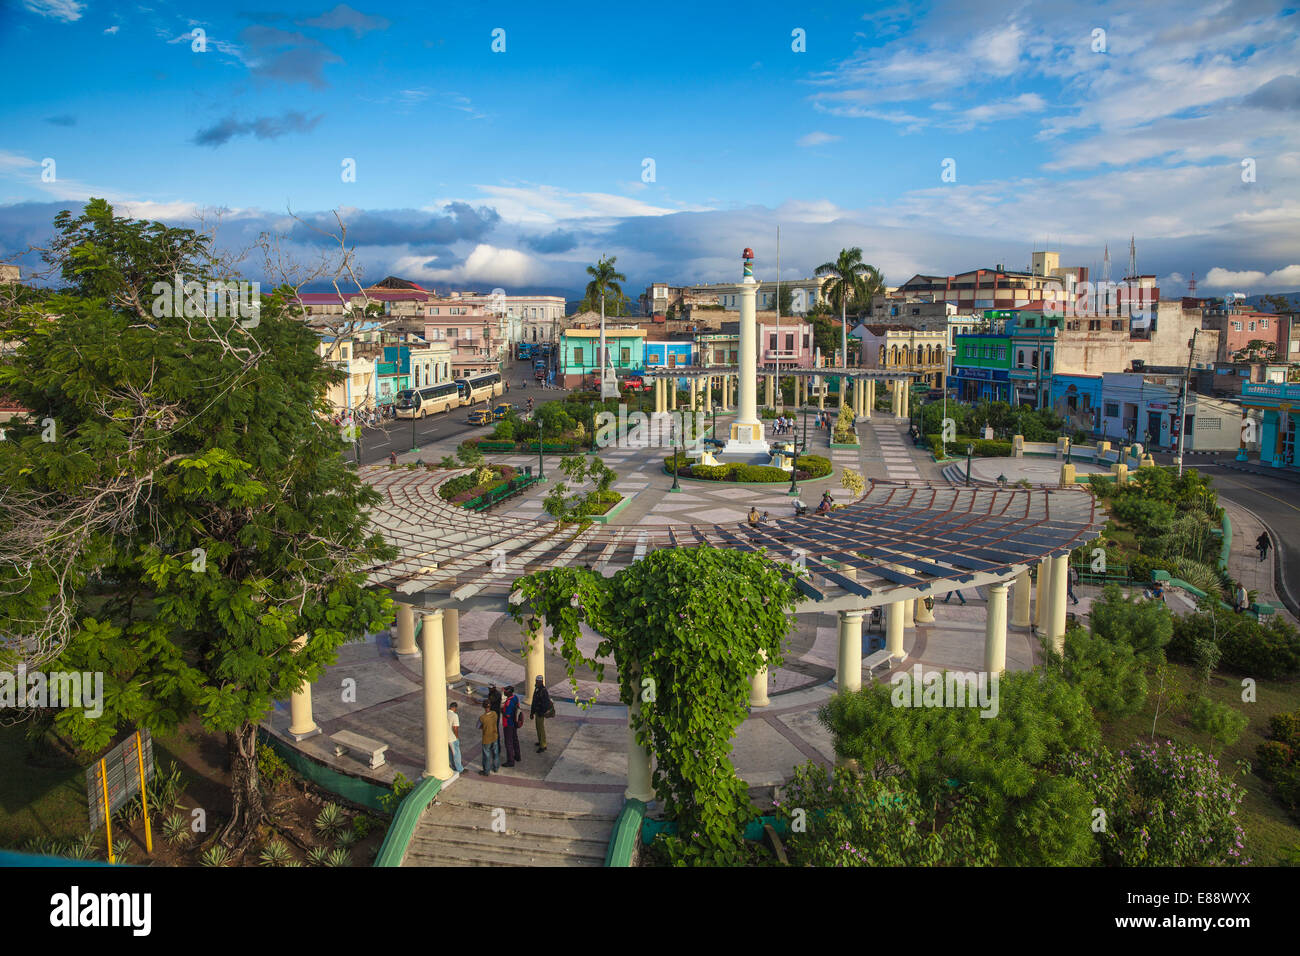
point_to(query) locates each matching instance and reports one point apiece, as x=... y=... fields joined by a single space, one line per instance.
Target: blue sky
x=477 y=168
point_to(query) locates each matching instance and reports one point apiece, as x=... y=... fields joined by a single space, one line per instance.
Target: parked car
x=481 y=417
x=501 y=410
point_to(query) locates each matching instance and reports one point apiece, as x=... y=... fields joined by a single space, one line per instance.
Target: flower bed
x=599 y=503
x=463 y=488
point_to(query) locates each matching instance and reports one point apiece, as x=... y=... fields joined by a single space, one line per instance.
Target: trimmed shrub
x=1220 y=721
x=814 y=466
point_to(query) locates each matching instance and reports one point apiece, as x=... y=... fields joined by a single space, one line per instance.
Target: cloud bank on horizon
x=482 y=154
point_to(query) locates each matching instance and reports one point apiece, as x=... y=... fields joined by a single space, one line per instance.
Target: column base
x=630 y=794
x=303 y=735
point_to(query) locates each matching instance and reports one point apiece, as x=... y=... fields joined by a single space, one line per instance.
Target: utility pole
x=777 y=357
x=1182 y=402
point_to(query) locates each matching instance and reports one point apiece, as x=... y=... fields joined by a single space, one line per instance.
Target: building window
x=625 y=356
x=577 y=356
x=771 y=341
x=1252 y=326
x=1263 y=323
x=789 y=342
x=1020 y=359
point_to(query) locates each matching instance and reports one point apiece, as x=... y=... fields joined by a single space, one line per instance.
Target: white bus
x=430 y=400
x=480 y=388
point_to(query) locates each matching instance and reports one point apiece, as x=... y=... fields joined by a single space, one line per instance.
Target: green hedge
x=815 y=466
x=550 y=446
x=984 y=448
x=488 y=445
x=733 y=471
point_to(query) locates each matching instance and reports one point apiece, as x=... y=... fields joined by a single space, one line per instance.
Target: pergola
x=863 y=383
x=900 y=543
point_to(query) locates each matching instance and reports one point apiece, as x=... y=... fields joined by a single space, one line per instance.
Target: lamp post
x=414 y=446
x=541 y=462
x=676 y=486
x=970 y=450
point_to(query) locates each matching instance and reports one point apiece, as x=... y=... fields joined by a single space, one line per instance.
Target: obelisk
x=747 y=429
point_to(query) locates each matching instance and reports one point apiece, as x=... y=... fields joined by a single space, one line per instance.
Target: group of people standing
x=499 y=723
x=781 y=424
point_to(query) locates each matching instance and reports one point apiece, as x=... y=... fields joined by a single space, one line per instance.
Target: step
x=502 y=858
x=479 y=795
x=543 y=827
x=466 y=842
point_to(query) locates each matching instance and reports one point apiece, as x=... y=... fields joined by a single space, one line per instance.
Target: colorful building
x=1277 y=404
x=579 y=362
x=981 y=367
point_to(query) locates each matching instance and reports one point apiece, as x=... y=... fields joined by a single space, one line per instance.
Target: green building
x=579 y=362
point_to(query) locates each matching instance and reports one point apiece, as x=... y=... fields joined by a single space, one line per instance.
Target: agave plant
x=166 y=788
x=215 y=855
x=338 y=857
x=318 y=856
x=176 y=828
x=83 y=849
x=347 y=837
x=1198 y=575
x=331 y=819
x=276 y=853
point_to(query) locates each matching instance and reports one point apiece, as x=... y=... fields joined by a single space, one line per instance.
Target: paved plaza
x=588 y=745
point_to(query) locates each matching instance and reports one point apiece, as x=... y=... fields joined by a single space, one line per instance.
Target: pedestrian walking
x=453 y=736
x=1263 y=544
x=1071 y=580
x=541 y=709
x=487 y=723
x=510 y=721
x=961 y=597
x=392 y=458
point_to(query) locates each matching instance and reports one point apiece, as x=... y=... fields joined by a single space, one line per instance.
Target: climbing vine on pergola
x=687 y=628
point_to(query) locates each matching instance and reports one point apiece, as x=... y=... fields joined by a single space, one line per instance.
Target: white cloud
x=484 y=263
x=68 y=11
x=1287 y=277
x=113 y=29
x=816 y=138
x=544 y=205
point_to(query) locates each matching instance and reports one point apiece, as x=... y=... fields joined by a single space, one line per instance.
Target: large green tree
x=193 y=516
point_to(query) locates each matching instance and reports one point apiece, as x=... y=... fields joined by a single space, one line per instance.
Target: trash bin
x=528 y=470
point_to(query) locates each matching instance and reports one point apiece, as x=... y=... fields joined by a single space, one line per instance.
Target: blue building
x=1277 y=403
x=669 y=354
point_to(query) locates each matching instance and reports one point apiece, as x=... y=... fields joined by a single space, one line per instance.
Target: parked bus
x=524 y=351
x=430 y=400
x=480 y=388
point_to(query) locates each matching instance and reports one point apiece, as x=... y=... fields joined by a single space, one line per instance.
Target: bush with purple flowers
x=1165 y=805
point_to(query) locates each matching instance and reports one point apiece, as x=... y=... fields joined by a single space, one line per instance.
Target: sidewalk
x=1243 y=560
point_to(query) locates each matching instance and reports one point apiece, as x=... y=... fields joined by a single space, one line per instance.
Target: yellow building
x=897 y=348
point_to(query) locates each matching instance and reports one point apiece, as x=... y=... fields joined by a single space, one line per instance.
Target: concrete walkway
x=1243 y=559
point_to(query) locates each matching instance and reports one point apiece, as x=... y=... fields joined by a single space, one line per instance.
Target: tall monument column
x=747 y=429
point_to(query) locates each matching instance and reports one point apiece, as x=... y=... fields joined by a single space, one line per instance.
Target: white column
x=1020 y=602
x=758 y=685
x=301 y=723
x=1060 y=578
x=639 y=776
x=437 y=756
x=747 y=407
x=848 y=676
x=894 y=615
x=1040 y=595
x=405 y=630
x=708 y=393
x=871 y=398
x=995 y=630
x=694 y=392
x=451 y=641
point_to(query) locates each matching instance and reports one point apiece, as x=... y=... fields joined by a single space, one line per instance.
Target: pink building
x=475 y=337
x=788 y=346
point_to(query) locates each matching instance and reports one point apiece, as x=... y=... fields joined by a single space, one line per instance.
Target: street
x=450 y=428
x=1276 y=501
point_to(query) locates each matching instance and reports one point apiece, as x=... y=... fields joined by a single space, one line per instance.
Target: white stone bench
x=346 y=740
x=875 y=660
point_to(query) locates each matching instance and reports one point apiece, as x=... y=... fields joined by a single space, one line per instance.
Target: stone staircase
x=534 y=827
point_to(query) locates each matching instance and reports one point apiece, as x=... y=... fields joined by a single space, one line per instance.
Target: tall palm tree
x=851 y=278
x=604 y=282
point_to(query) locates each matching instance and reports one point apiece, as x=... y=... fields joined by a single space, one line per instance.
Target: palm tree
x=604 y=282
x=851 y=279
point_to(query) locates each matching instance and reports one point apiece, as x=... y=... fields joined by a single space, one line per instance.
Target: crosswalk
x=898 y=461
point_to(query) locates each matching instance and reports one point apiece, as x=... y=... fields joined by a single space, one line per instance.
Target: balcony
x=773 y=354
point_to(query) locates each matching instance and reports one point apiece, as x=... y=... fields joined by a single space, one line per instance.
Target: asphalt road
x=1276 y=501
x=395 y=436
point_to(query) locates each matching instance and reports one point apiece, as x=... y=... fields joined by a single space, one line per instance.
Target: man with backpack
x=511 y=718
x=541 y=709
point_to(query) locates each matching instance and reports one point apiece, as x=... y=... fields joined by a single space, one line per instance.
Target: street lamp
x=970 y=450
x=414 y=446
x=541 y=462
x=676 y=486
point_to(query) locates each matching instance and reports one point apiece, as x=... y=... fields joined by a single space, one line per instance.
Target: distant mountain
x=1257 y=301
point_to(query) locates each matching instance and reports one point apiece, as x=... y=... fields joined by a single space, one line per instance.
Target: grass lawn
x=1272 y=837
x=46 y=797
